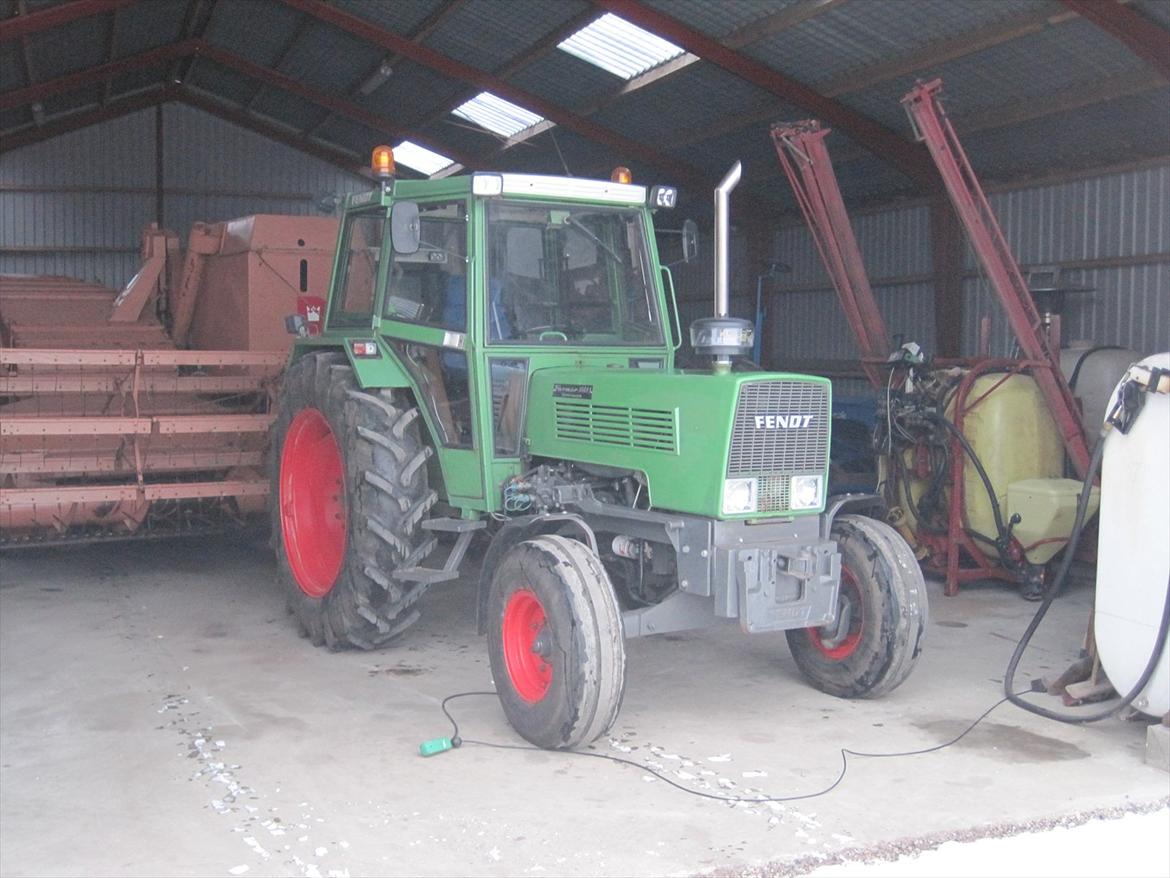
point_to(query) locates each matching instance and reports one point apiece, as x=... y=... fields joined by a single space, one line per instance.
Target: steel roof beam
x=22 y=25
x=455 y=69
x=75 y=121
x=750 y=33
x=534 y=53
x=935 y=53
x=1140 y=34
x=420 y=33
x=786 y=18
x=337 y=105
x=178 y=94
x=198 y=48
x=299 y=31
x=907 y=157
x=82 y=78
x=337 y=156
x=199 y=16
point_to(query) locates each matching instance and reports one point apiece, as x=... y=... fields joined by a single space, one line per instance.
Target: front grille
x=780 y=445
x=650 y=429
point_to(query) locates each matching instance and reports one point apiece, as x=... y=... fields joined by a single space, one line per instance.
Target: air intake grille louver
x=651 y=429
x=782 y=445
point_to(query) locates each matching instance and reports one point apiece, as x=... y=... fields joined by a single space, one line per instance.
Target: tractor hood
x=691 y=433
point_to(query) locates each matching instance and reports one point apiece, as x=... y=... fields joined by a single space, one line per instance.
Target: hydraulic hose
x=1000 y=527
x=1050 y=596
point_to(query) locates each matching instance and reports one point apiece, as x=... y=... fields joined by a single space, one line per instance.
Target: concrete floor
x=160 y=716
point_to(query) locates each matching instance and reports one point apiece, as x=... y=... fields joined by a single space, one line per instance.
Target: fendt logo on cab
x=783 y=422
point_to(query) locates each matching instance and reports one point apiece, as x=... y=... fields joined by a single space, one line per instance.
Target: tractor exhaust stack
x=723 y=238
x=723 y=337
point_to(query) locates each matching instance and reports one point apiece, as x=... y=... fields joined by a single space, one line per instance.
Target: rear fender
x=376 y=372
x=371 y=372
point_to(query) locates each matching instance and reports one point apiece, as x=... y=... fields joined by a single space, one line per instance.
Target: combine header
x=109 y=428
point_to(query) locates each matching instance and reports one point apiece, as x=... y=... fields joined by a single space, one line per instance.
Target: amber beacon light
x=621 y=175
x=382 y=162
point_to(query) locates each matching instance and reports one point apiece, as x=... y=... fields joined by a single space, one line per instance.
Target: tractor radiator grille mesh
x=785 y=446
x=651 y=429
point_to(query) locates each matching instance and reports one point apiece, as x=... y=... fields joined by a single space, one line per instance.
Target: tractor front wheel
x=556 y=642
x=348 y=493
x=876 y=638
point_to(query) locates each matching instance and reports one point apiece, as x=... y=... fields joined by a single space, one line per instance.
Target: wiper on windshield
x=577 y=224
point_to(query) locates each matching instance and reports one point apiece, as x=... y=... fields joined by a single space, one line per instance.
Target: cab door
x=425 y=322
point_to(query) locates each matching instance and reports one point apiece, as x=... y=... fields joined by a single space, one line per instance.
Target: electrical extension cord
x=441 y=745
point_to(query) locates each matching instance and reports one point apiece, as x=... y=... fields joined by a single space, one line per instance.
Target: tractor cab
x=470 y=284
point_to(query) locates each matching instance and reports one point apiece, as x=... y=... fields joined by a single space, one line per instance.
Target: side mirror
x=690 y=240
x=405 y=229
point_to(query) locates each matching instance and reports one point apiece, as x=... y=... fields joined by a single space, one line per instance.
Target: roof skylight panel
x=420 y=158
x=497 y=115
x=623 y=49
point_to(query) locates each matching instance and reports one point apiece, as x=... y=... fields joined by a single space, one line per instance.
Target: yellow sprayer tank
x=1014 y=437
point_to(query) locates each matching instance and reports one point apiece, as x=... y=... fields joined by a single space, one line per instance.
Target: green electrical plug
x=435 y=746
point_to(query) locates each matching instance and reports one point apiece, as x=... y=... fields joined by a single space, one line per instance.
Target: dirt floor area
x=159 y=715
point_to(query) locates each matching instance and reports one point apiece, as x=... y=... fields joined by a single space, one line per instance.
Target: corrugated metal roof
x=564 y=80
x=1159 y=10
x=233 y=27
x=720 y=19
x=856 y=35
x=67 y=49
x=412 y=92
x=11 y=65
x=1054 y=60
x=330 y=59
x=841 y=40
x=690 y=98
x=146 y=26
x=221 y=82
x=488 y=35
x=400 y=16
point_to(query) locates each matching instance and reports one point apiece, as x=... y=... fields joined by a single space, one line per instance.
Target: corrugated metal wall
x=1119 y=221
x=1110 y=232
x=76 y=204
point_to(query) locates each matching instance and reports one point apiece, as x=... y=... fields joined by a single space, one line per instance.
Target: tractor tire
x=884 y=595
x=556 y=642
x=349 y=491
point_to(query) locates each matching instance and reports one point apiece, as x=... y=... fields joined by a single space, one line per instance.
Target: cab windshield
x=569 y=274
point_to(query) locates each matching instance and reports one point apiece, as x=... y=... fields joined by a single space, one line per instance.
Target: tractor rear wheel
x=881 y=615
x=348 y=490
x=556 y=642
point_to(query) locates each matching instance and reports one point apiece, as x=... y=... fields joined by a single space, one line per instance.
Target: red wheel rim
x=526 y=648
x=312 y=503
x=851 y=594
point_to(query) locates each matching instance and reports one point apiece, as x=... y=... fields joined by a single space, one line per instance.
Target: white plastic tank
x=1092 y=372
x=1133 y=551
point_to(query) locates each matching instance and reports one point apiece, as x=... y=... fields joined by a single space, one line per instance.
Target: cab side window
x=429 y=287
x=353 y=304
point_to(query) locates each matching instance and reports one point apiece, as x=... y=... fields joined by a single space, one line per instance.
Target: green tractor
x=497 y=359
